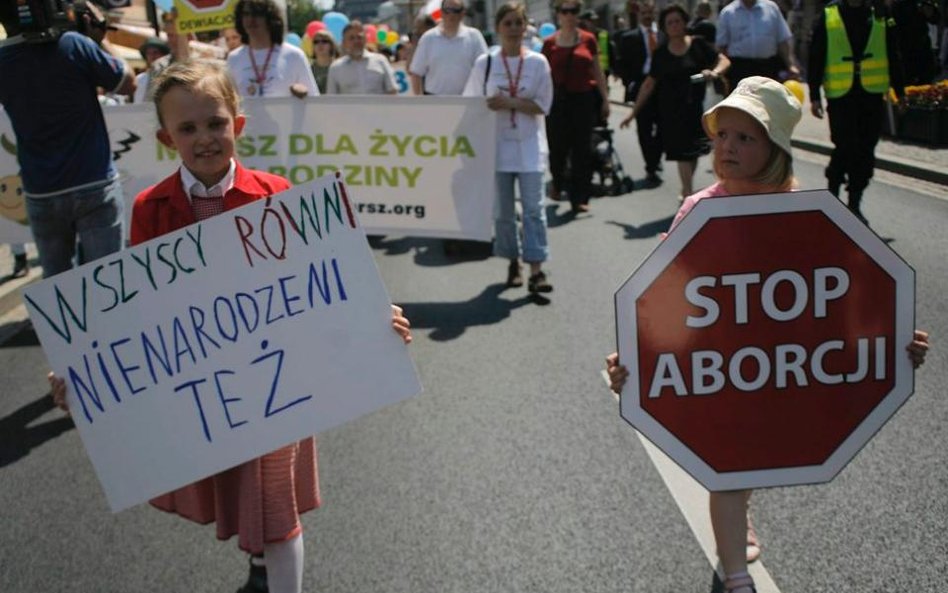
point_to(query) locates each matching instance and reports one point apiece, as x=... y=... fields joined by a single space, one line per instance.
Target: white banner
x=215 y=344
x=420 y=166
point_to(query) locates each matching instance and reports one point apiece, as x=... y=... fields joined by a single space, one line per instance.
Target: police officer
x=854 y=57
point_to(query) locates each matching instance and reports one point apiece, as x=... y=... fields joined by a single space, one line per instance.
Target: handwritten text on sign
x=212 y=345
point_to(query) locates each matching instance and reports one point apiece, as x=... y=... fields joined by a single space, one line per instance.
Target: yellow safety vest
x=841 y=67
x=603 y=40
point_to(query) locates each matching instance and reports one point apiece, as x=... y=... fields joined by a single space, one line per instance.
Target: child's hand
x=918 y=348
x=57 y=389
x=617 y=373
x=298 y=90
x=401 y=324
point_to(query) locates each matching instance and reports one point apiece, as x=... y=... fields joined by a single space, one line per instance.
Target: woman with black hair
x=265 y=66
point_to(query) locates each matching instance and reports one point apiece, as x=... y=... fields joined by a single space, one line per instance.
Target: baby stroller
x=606 y=166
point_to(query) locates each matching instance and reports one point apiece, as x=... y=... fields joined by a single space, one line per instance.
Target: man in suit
x=634 y=52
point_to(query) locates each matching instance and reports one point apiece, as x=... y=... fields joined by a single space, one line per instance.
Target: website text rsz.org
x=416 y=210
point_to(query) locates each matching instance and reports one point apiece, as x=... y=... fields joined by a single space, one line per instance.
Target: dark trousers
x=741 y=68
x=650 y=135
x=569 y=133
x=855 y=121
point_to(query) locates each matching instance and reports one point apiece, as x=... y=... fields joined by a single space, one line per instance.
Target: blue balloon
x=537 y=45
x=546 y=29
x=164 y=5
x=335 y=22
x=294 y=39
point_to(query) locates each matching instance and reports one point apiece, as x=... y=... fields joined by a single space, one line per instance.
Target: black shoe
x=653 y=180
x=514 y=277
x=21 y=267
x=256 y=581
x=539 y=283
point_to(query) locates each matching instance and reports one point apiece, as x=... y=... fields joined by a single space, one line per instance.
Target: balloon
x=164 y=5
x=307 y=46
x=391 y=38
x=537 y=45
x=313 y=27
x=546 y=29
x=382 y=37
x=436 y=14
x=370 y=33
x=795 y=88
x=335 y=22
x=294 y=39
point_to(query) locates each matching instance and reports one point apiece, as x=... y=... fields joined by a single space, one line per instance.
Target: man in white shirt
x=358 y=72
x=756 y=38
x=443 y=59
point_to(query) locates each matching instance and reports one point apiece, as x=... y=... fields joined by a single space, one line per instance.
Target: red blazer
x=165 y=207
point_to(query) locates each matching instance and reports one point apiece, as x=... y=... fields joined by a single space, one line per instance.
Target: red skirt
x=260 y=501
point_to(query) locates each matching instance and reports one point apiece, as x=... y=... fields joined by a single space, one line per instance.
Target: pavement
x=915 y=161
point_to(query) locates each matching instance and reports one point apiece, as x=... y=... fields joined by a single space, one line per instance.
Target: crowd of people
x=548 y=103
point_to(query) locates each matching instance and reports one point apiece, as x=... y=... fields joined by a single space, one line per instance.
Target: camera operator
x=73 y=195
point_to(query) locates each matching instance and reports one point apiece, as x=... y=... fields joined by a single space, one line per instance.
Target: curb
x=10 y=291
x=886 y=163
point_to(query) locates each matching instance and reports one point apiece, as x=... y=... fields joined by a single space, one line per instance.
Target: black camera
x=42 y=21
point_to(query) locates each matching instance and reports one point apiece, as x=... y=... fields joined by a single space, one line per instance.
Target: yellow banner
x=204 y=15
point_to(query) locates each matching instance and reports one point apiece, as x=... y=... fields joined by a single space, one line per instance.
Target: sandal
x=514 y=277
x=739 y=583
x=539 y=283
x=753 y=544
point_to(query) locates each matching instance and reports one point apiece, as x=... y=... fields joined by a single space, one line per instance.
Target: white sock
x=285 y=565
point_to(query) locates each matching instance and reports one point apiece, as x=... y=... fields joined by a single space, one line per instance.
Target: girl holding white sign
x=750 y=131
x=518 y=86
x=259 y=501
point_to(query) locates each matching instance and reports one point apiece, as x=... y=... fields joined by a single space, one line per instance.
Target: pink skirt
x=260 y=501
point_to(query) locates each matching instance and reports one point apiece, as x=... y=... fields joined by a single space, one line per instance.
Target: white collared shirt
x=754 y=32
x=647 y=67
x=194 y=187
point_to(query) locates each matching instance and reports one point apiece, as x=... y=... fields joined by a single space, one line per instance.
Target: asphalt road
x=512 y=471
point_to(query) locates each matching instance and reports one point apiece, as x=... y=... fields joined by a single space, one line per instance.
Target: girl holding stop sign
x=750 y=131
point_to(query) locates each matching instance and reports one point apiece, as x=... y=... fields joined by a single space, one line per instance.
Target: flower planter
x=927 y=126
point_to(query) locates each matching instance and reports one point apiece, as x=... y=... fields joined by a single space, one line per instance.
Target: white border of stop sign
x=663 y=256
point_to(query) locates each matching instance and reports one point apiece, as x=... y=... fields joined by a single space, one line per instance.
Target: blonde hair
x=205 y=76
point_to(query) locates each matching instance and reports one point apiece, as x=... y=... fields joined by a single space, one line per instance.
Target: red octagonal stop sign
x=766 y=338
x=202 y=5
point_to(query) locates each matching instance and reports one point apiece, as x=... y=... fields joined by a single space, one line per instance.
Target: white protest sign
x=420 y=166
x=212 y=345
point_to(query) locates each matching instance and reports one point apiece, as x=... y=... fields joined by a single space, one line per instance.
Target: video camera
x=43 y=21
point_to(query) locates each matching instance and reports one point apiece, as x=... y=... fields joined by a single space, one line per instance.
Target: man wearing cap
x=444 y=56
x=73 y=195
x=854 y=57
x=756 y=38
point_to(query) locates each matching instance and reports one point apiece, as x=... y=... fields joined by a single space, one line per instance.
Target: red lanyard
x=261 y=77
x=514 y=83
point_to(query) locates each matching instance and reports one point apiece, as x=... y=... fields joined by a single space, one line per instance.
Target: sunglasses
x=319 y=41
x=574 y=10
x=452 y=10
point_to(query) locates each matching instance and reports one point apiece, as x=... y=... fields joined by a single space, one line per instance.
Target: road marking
x=692 y=501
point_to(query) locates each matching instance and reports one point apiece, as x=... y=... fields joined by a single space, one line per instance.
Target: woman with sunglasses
x=265 y=66
x=518 y=86
x=324 y=52
x=579 y=86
